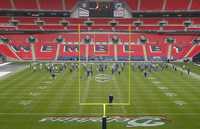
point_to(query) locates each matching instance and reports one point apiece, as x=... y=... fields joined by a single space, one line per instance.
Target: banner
x=118 y=10
x=83 y=10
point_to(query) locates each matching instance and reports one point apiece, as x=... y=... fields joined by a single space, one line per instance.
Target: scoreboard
x=101 y=9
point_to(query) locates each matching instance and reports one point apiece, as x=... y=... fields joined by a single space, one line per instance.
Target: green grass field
x=27 y=97
x=194 y=68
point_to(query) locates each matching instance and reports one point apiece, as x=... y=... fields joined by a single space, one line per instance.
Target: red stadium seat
x=53 y=27
x=45 y=55
x=196 y=21
x=5 y=4
x=69 y=4
x=25 y=4
x=4 y=19
x=177 y=4
x=133 y=4
x=28 y=27
x=155 y=5
x=195 y=51
x=4 y=50
x=174 y=28
x=26 y=20
x=195 y=5
x=51 y=4
x=51 y=20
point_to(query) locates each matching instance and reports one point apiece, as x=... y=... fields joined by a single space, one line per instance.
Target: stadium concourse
x=99 y=64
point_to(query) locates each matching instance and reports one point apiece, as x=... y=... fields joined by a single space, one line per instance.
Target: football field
x=166 y=99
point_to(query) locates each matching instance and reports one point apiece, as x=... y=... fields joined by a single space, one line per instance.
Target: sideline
x=5 y=64
x=194 y=75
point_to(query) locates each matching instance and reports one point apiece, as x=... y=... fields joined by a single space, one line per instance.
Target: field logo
x=144 y=121
x=103 y=78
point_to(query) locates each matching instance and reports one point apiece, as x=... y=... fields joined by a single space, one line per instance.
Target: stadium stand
x=156 y=47
x=69 y=4
x=46 y=5
x=155 y=5
x=46 y=47
x=54 y=23
x=177 y=4
x=25 y=4
x=5 y=4
x=195 y=5
x=7 y=52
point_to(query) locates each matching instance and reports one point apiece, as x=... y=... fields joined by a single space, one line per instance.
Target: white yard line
x=197 y=65
x=119 y=94
x=4 y=73
x=86 y=89
x=5 y=64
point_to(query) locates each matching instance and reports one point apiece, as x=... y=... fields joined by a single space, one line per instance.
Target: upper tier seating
x=154 y=5
x=54 y=23
x=177 y=4
x=195 y=5
x=5 y=4
x=26 y=20
x=51 y=20
x=25 y=4
x=51 y=4
x=135 y=5
x=38 y=4
x=69 y=4
x=4 y=19
x=28 y=27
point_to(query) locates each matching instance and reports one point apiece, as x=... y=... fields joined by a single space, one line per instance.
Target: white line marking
x=3 y=73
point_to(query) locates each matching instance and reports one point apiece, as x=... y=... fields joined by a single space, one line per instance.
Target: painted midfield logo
x=103 y=78
x=144 y=121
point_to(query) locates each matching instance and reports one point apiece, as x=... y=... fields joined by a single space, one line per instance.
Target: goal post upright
x=79 y=62
x=129 y=54
x=104 y=118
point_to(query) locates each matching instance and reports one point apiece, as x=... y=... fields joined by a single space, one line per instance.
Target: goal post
x=129 y=75
x=104 y=117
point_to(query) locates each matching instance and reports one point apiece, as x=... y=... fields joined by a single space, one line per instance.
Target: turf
x=26 y=97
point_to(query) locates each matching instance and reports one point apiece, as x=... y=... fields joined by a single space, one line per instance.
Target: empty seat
x=4 y=50
x=26 y=20
x=4 y=19
x=195 y=5
x=25 y=4
x=53 y=27
x=177 y=4
x=154 y=5
x=69 y=4
x=174 y=28
x=133 y=4
x=51 y=20
x=28 y=27
x=5 y=4
x=51 y=4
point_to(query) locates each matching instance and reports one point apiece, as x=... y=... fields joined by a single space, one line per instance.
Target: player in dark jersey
x=111 y=98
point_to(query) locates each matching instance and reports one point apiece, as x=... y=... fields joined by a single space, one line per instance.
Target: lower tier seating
x=100 y=47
